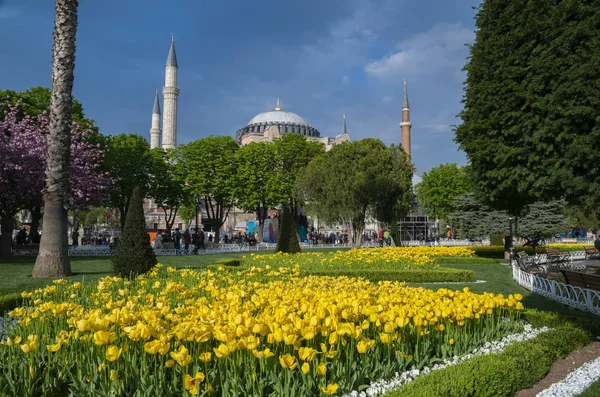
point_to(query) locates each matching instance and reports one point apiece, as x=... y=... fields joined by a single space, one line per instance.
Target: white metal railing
x=580 y=298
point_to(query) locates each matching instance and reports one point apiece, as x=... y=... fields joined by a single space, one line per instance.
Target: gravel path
x=568 y=370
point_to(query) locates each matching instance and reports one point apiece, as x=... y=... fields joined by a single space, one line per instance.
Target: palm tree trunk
x=53 y=257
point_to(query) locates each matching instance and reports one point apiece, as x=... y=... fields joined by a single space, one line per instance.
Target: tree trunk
x=7 y=227
x=358 y=227
x=53 y=256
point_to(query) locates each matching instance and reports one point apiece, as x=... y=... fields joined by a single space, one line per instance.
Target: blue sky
x=323 y=58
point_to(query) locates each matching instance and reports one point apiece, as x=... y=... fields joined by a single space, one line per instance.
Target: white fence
x=580 y=298
x=103 y=250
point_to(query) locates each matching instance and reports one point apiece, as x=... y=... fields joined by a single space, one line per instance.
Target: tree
x=36 y=100
x=357 y=178
x=530 y=125
x=23 y=144
x=288 y=237
x=128 y=159
x=258 y=183
x=207 y=167
x=293 y=153
x=134 y=254
x=440 y=188
x=166 y=191
x=53 y=257
x=537 y=221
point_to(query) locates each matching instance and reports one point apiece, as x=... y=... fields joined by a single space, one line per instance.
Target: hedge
x=9 y=302
x=228 y=262
x=409 y=276
x=518 y=367
x=497 y=251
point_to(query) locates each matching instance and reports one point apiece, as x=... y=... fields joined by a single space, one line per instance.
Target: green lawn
x=592 y=391
x=16 y=276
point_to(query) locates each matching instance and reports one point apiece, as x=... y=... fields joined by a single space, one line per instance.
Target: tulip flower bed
x=396 y=258
x=257 y=332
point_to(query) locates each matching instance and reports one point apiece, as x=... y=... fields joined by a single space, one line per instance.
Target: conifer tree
x=288 y=235
x=134 y=254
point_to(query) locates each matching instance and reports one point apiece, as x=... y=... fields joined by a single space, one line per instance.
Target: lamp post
x=510 y=242
x=197 y=198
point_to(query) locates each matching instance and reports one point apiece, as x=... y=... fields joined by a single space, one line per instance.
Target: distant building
x=270 y=125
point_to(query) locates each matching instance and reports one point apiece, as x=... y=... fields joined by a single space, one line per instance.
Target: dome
x=277 y=116
x=282 y=121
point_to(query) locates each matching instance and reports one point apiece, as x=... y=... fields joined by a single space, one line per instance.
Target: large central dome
x=277 y=122
x=277 y=116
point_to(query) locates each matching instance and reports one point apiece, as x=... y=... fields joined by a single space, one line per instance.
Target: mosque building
x=264 y=127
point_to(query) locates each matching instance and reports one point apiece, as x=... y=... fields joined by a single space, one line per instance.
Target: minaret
x=405 y=125
x=170 y=94
x=155 y=129
x=278 y=106
x=345 y=130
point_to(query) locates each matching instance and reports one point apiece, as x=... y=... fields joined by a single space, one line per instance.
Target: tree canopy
x=163 y=187
x=530 y=124
x=207 y=167
x=440 y=187
x=357 y=178
x=258 y=182
x=128 y=159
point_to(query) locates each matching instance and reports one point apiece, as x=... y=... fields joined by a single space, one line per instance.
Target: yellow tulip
x=222 y=351
x=330 y=390
x=181 y=356
x=205 y=357
x=288 y=361
x=113 y=353
x=322 y=369
x=305 y=368
x=104 y=338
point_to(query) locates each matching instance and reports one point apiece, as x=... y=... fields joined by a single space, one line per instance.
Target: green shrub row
x=228 y=262
x=518 y=367
x=9 y=302
x=497 y=251
x=409 y=276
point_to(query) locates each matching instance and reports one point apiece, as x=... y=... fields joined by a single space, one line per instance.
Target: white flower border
x=399 y=380
x=576 y=382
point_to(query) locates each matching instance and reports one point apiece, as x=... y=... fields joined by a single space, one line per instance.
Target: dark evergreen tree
x=530 y=123
x=536 y=221
x=134 y=254
x=288 y=235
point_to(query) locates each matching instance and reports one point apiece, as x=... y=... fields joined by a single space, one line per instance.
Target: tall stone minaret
x=405 y=125
x=170 y=94
x=155 y=129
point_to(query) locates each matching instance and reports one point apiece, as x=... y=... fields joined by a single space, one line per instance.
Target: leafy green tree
x=128 y=160
x=530 y=125
x=207 y=166
x=288 y=241
x=134 y=254
x=538 y=220
x=163 y=187
x=394 y=190
x=440 y=188
x=36 y=100
x=293 y=153
x=357 y=178
x=258 y=183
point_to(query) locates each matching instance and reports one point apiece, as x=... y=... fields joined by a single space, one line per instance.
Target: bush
x=288 y=235
x=9 y=302
x=134 y=254
x=497 y=251
x=409 y=275
x=519 y=367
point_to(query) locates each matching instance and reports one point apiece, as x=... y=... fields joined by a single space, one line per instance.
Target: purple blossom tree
x=23 y=145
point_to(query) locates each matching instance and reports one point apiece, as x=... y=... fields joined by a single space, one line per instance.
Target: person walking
x=187 y=239
x=177 y=241
x=201 y=240
x=158 y=243
x=381 y=236
x=387 y=237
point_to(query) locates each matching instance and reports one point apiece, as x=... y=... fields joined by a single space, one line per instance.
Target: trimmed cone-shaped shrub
x=134 y=254
x=288 y=235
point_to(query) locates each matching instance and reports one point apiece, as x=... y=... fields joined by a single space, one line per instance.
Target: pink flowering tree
x=23 y=145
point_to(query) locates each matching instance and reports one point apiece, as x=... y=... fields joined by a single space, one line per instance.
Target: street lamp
x=510 y=243
x=197 y=198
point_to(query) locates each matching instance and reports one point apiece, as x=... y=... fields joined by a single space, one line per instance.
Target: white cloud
x=436 y=50
x=386 y=99
x=346 y=79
